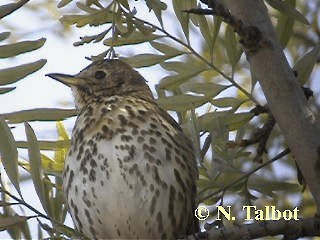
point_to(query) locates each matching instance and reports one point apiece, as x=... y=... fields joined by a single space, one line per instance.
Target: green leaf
x=7 y=9
x=124 y=3
x=39 y=114
x=47 y=145
x=10 y=221
x=185 y=72
x=305 y=64
x=166 y=49
x=237 y=120
x=97 y=18
x=61 y=154
x=50 y=165
x=232 y=44
x=216 y=29
x=211 y=89
x=95 y=38
x=4 y=35
x=288 y=9
x=134 y=38
x=6 y=90
x=13 y=74
x=224 y=102
x=36 y=165
x=284 y=26
x=86 y=7
x=63 y=3
x=14 y=49
x=157 y=7
x=62 y=132
x=181 y=102
x=205 y=31
x=146 y=60
x=9 y=154
x=268 y=187
x=212 y=120
x=183 y=17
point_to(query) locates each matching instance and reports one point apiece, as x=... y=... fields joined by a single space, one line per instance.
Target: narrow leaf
x=61 y=154
x=51 y=166
x=10 y=221
x=286 y=8
x=204 y=88
x=212 y=120
x=183 y=17
x=9 y=154
x=39 y=114
x=231 y=46
x=46 y=145
x=227 y=102
x=284 y=26
x=14 y=49
x=181 y=102
x=62 y=132
x=185 y=72
x=4 y=35
x=7 y=9
x=63 y=3
x=157 y=7
x=134 y=38
x=97 y=18
x=35 y=164
x=146 y=60
x=305 y=64
x=13 y=74
x=205 y=31
x=166 y=49
x=6 y=90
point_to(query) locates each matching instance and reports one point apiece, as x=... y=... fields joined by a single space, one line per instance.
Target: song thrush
x=130 y=170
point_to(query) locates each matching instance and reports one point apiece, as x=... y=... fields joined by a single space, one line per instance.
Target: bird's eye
x=99 y=74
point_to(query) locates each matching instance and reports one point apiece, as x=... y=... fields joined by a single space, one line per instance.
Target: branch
x=291 y=229
x=285 y=98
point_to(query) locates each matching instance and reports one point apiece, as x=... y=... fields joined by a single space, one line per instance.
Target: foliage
x=209 y=87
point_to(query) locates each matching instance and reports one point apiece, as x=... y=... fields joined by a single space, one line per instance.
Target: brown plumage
x=130 y=171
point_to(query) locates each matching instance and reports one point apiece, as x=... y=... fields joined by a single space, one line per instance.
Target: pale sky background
x=62 y=57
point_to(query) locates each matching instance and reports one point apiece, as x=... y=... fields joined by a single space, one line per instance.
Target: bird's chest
x=113 y=160
x=110 y=141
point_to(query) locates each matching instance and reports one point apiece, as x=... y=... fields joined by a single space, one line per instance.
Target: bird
x=130 y=171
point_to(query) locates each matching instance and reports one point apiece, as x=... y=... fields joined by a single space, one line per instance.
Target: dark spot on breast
x=159 y=220
x=152 y=125
x=142 y=112
x=123 y=120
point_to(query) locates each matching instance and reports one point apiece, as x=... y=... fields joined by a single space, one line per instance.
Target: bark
x=283 y=93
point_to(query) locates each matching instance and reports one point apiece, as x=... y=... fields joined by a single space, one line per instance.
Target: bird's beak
x=69 y=80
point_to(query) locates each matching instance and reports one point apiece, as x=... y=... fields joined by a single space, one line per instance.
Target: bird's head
x=105 y=78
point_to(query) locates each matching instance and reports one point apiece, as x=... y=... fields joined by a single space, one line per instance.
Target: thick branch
x=284 y=95
x=292 y=229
